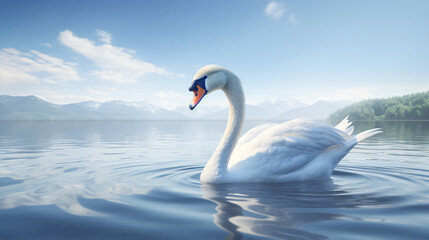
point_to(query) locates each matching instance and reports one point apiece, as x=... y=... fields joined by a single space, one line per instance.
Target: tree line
x=409 y=107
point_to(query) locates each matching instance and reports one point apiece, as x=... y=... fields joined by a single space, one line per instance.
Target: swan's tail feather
x=368 y=133
x=346 y=126
x=349 y=130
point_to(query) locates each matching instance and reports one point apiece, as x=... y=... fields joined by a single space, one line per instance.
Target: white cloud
x=11 y=75
x=292 y=18
x=181 y=75
x=355 y=93
x=116 y=64
x=170 y=99
x=104 y=36
x=97 y=92
x=34 y=66
x=169 y=94
x=47 y=45
x=66 y=98
x=59 y=98
x=275 y=10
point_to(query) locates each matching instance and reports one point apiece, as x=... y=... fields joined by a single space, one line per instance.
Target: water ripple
x=145 y=183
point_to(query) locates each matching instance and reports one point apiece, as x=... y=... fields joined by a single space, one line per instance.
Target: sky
x=71 y=50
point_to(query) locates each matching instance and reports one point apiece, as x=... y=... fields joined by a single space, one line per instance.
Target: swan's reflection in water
x=276 y=211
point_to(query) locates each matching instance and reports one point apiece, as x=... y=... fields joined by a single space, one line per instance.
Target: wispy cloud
x=104 y=36
x=170 y=99
x=34 y=66
x=116 y=63
x=48 y=45
x=275 y=10
x=97 y=92
x=60 y=97
x=355 y=93
x=292 y=18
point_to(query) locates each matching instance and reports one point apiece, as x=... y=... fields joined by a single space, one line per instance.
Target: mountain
x=123 y=110
x=23 y=107
x=408 y=107
x=282 y=104
x=198 y=112
x=284 y=109
x=34 y=108
x=319 y=110
x=264 y=110
x=253 y=112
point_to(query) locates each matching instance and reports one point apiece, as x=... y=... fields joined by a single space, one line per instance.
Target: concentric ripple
x=137 y=179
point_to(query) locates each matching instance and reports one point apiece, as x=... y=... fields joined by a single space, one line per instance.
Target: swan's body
x=296 y=150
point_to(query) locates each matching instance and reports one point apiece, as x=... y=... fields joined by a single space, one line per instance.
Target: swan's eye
x=193 y=87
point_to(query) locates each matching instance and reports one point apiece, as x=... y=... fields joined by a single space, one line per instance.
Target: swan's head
x=207 y=80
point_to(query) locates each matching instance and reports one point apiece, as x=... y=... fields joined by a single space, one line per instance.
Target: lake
x=140 y=180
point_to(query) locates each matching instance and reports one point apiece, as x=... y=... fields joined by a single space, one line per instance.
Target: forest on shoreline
x=408 y=107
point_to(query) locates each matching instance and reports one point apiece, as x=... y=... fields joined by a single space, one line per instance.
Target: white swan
x=296 y=150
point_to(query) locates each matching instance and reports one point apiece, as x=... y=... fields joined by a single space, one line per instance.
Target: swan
x=296 y=150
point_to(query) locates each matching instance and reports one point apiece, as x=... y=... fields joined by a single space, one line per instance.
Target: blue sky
x=69 y=51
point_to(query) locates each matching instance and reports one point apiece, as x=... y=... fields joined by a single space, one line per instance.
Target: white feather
x=296 y=150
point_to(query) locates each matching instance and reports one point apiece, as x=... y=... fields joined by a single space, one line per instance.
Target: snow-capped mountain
x=34 y=108
x=198 y=112
x=264 y=110
x=282 y=104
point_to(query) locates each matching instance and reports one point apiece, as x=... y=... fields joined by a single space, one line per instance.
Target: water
x=140 y=180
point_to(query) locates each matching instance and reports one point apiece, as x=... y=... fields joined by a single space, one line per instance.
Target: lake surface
x=140 y=180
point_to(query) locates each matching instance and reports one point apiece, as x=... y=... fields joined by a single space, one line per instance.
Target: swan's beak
x=198 y=95
x=199 y=90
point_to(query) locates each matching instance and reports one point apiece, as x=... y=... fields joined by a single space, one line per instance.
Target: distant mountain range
x=264 y=110
x=320 y=110
x=34 y=108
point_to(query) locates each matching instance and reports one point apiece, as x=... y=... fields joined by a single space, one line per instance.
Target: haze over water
x=140 y=180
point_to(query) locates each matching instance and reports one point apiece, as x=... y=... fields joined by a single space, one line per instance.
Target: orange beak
x=198 y=95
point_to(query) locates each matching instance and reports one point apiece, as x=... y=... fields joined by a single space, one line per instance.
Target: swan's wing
x=284 y=148
x=252 y=133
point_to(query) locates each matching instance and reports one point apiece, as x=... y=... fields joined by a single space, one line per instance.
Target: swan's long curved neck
x=217 y=166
